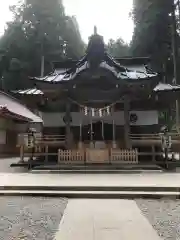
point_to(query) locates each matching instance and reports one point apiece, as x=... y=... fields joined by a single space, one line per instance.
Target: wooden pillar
x=91 y=132
x=68 y=125
x=46 y=153
x=22 y=153
x=80 y=132
x=127 y=123
x=22 y=141
x=103 y=130
x=169 y=119
x=153 y=154
x=175 y=56
x=114 y=135
x=80 y=136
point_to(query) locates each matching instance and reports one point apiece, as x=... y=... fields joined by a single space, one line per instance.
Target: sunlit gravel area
x=5 y=166
x=29 y=218
x=164 y=216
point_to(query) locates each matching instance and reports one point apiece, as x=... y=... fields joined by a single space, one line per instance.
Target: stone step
x=98 y=171
x=99 y=167
x=94 y=194
x=79 y=188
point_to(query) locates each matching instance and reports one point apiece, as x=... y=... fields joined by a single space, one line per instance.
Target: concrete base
x=96 y=168
x=118 y=171
x=96 y=183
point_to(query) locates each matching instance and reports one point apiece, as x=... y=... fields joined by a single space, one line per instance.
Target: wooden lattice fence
x=124 y=156
x=71 y=156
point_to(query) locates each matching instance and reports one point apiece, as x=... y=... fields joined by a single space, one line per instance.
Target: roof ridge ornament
x=96 y=49
x=95 y=30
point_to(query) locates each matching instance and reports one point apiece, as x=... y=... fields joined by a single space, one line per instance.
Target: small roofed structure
x=163 y=87
x=12 y=106
x=15 y=118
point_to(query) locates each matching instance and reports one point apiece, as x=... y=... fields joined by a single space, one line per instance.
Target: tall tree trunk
x=175 y=56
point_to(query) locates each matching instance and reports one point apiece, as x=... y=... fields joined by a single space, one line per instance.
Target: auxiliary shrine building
x=99 y=109
x=15 y=118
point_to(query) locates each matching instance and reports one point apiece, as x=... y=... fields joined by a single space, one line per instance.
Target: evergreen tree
x=118 y=48
x=152 y=34
x=39 y=28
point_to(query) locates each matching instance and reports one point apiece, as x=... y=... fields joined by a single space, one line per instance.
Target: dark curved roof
x=97 y=57
x=70 y=63
x=161 y=87
x=68 y=71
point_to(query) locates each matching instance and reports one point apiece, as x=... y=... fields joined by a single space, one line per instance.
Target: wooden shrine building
x=100 y=109
x=15 y=118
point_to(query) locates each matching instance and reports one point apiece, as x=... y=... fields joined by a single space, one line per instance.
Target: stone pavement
x=5 y=166
x=90 y=180
x=104 y=220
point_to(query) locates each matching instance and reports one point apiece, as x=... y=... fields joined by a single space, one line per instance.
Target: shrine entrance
x=97 y=131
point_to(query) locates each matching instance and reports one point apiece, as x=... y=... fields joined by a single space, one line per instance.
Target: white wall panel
x=144 y=118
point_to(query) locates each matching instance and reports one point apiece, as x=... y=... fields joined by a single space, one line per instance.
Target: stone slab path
x=104 y=220
x=102 y=180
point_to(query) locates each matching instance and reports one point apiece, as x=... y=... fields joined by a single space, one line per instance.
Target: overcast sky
x=111 y=17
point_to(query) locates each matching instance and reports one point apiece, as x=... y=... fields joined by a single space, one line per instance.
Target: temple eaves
x=97 y=57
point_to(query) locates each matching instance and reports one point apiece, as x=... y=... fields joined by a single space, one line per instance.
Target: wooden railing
x=153 y=136
x=30 y=141
x=50 y=138
x=153 y=139
x=137 y=139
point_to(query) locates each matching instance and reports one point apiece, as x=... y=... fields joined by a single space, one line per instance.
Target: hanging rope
x=95 y=111
x=84 y=106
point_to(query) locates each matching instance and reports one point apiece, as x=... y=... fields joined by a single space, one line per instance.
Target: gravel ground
x=164 y=216
x=27 y=218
